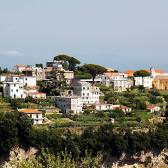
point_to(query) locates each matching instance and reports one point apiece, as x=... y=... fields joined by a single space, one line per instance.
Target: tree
x=14 y=130
x=8 y=132
x=1 y=71
x=62 y=57
x=93 y=69
x=69 y=62
x=141 y=73
x=39 y=65
x=72 y=63
x=5 y=70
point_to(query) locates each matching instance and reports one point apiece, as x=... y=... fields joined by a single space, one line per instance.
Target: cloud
x=12 y=53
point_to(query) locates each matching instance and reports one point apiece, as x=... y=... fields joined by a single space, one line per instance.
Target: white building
x=18 y=86
x=89 y=94
x=104 y=106
x=37 y=95
x=58 y=65
x=68 y=75
x=146 y=81
x=28 y=81
x=35 y=115
x=2 y=78
x=69 y=104
x=13 y=90
x=119 y=81
x=153 y=108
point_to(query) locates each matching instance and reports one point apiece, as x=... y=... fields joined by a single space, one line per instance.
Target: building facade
x=89 y=94
x=35 y=115
x=69 y=104
x=146 y=81
x=104 y=107
x=16 y=86
x=160 y=82
x=118 y=81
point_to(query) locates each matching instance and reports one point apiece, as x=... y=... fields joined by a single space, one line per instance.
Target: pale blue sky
x=123 y=34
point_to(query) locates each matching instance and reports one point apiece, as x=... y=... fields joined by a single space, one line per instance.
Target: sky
x=121 y=34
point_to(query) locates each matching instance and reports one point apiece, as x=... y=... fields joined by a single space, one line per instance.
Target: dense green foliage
x=14 y=130
x=135 y=98
x=40 y=65
x=93 y=69
x=5 y=70
x=82 y=75
x=70 y=63
x=29 y=102
x=104 y=139
x=141 y=73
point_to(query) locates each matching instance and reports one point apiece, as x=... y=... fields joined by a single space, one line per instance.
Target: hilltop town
x=73 y=87
x=67 y=97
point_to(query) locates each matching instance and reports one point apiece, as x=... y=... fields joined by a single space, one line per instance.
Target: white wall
x=89 y=94
x=2 y=78
x=68 y=104
x=144 y=81
x=13 y=90
x=37 y=118
x=28 y=80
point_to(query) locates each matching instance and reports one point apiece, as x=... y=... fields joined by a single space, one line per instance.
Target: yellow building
x=160 y=82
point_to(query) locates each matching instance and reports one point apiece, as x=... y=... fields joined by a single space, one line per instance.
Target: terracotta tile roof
x=151 y=106
x=30 y=111
x=130 y=73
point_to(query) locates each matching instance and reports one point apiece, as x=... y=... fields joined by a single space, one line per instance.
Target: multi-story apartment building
x=89 y=93
x=119 y=81
x=146 y=81
x=69 y=104
x=15 y=86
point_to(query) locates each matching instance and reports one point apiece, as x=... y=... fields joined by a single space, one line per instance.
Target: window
x=14 y=85
x=83 y=88
x=26 y=79
x=11 y=90
x=16 y=90
x=36 y=115
x=83 y=94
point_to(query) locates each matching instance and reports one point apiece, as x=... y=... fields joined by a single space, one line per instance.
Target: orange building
x=130 y=73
